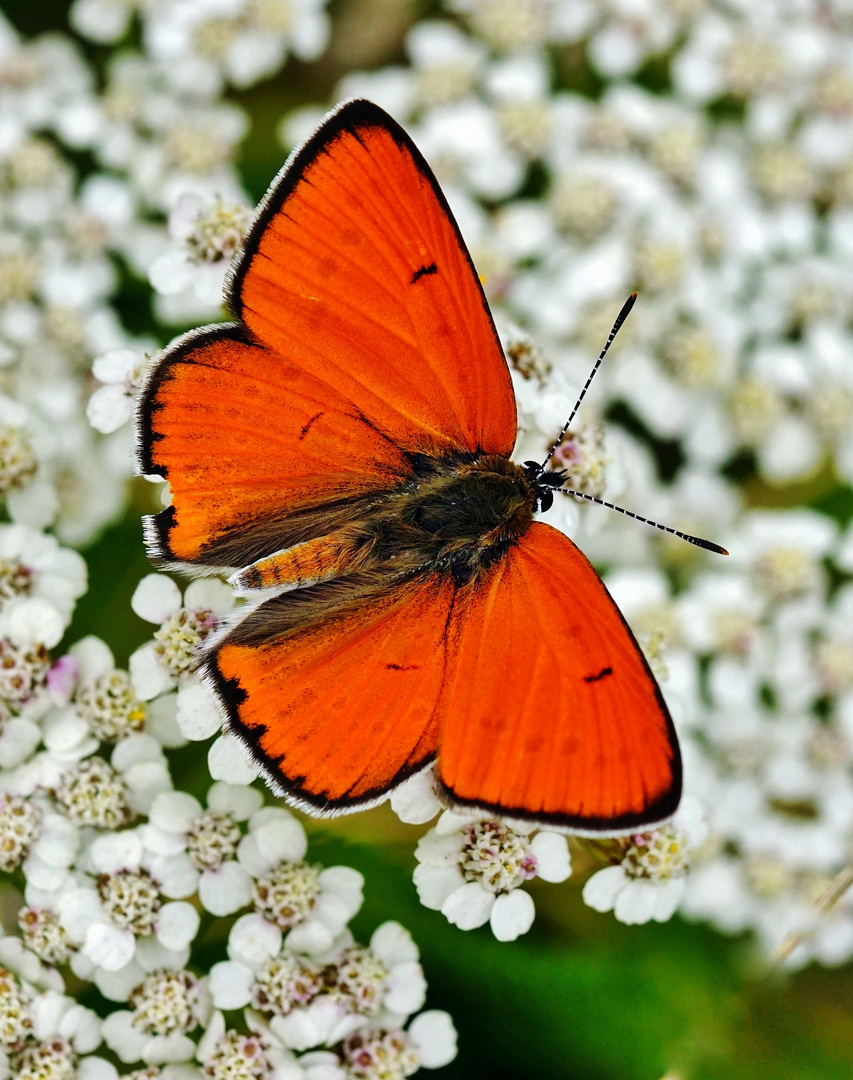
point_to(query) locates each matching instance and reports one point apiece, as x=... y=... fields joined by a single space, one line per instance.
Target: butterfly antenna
x=697 y=540
x=620 y=318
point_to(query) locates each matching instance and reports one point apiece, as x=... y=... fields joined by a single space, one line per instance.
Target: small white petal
x=552 y=856
x=135 y=749
x=603 y=887
x=228 y=760
x=82 y=1027
x=214 y=1031
x=33 y=621
x=436 y=850
x=163 y=1049
x=235 y=799
x=415 y=801
x=198 y=714
x=436 y=883
x=209 y=594
x=58 y=841
x=170 y=273
x=78 y=908
x=122 y=1037
x=115 y=366
x=116 y=851
x=311 y=937
x=96 y=1068
x=116 y=985
x=253 y=939
x=452 y=821
x=405 y=989
x=434 y=1037
x=283 y=839
x=155 y=598
x=18 y=740
x=161 y=721
x=152 y=954
x=177 y=924
x=636 y=902
x=469 y=906
x=108 y=946
x=669 y=896
x=331 y=911
x=147 y=674
x=108 y=408
x=175 y=811
x=346 y=884
x=393 y=944
x=225 y=889
x=231 y=985
x=512 y=915
x=175 y=874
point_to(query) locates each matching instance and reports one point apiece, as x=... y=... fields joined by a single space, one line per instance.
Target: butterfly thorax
x=460 y=514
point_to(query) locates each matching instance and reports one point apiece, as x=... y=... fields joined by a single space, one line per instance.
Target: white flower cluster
x=121 y=873
x=702 y=155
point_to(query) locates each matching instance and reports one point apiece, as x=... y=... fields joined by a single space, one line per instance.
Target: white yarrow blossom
x=206 y=234
x=193 y=850
x=121 y=371
x=472 y=866
x=649 y=880
x=170 y=659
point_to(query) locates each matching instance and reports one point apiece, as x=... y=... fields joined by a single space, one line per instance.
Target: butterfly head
x=544 y=482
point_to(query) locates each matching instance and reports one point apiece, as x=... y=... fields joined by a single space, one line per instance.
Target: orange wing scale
x=551 y=710
x=355 y=268
x=339 y=713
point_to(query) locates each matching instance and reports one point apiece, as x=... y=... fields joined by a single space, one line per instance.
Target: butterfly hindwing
x=356 y=268
x=552 y=713
x=336 y=688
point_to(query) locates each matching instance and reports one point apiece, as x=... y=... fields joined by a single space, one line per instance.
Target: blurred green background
x=581 y=996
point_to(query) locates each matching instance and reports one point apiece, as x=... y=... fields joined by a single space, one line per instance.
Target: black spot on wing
x=422 y=271
x=307 y=427
x=403 y=667
x=605 y=671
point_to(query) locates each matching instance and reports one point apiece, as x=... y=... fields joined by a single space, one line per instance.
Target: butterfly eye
x=545 y=500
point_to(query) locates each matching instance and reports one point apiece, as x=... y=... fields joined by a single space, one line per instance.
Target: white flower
x=312 y=905
x=102 y=694
x=471 y=867
x=166 y=1005
x=208 y=234
x=170 y=659
x=224 y=1052
x=193 y=850
x=649 y=882
x=33 y=567
x=105 y=918
x=121 y=371
x=354 y=988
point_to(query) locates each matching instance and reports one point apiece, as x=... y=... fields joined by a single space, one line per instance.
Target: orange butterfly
x=343 y=449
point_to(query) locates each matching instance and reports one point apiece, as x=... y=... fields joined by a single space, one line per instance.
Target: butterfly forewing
x=551 y=712
x=356 y=269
